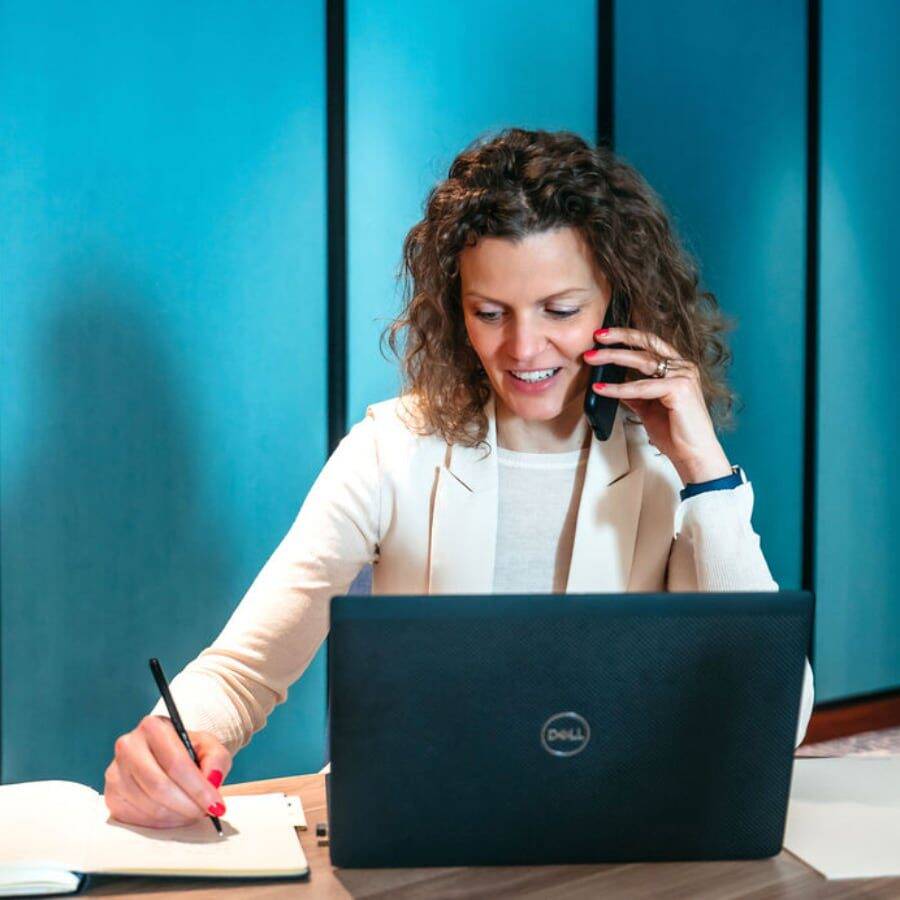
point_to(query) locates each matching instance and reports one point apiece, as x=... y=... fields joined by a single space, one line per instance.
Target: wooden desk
x=783 y=876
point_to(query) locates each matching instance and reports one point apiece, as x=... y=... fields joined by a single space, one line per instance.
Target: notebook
x=55 y=833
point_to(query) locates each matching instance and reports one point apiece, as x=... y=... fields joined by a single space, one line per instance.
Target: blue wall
x=162 y=189
x=722 y=137
x=163 y=328
x=858 y=495
x=422 y=83
x=711 y=106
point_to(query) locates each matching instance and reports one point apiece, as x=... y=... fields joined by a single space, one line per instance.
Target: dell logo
x=565 y=734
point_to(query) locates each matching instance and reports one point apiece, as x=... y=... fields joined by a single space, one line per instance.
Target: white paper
x=42 y=824
x=258 y=838
x=844 y=816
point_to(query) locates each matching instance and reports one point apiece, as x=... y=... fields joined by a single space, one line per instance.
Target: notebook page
x=257 y=839
x=46 y=824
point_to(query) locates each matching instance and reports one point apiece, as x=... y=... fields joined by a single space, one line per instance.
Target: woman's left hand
x=672 y=408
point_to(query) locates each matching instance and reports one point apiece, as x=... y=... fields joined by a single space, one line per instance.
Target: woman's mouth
x=532 y=381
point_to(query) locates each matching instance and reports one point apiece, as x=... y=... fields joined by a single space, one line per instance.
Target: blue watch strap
x=726 y=482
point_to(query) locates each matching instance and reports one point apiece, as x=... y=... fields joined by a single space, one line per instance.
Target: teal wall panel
x=710 y=105
x=162 y=294
x=422 y=83
x=857 y=492
x=163 y=329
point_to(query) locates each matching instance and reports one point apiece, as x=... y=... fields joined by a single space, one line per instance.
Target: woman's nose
x=525 y=341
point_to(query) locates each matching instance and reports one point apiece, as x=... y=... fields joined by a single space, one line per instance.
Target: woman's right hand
x=152 y=780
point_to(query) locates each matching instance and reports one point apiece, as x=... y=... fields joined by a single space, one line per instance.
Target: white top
x=537 y=507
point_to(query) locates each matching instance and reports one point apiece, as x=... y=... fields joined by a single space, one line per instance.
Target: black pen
x=163 y=686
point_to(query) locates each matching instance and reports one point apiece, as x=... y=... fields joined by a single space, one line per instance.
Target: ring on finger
x=663 y=366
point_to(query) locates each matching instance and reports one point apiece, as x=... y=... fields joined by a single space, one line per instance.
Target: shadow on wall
x=113 y=548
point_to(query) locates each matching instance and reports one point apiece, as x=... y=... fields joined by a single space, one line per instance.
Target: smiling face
x=532 y=306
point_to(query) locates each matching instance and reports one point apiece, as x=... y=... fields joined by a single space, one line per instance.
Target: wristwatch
x=726 y=482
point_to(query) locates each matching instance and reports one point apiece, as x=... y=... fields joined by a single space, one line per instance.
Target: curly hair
x=515 y=184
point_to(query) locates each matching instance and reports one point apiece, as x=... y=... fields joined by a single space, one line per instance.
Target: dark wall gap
x=336 y=178
x=813 y=154
x=605 y=73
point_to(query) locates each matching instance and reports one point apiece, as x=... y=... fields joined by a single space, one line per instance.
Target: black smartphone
x=600 y=410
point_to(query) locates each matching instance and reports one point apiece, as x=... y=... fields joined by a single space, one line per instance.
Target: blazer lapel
x=608 y=513
x=464 y=518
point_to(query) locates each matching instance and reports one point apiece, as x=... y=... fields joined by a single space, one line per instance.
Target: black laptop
x=478 y=730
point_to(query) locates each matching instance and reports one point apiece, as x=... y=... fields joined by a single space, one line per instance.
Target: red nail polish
x=601 y=332
x=216 y=809
x=215 y=778
x=600 y=384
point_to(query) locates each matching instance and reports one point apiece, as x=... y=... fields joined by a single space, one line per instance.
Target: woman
x=485 y=475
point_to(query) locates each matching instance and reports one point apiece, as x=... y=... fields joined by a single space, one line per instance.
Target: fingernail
x=216 y=809
x=600 y=385
x=214 y=778
x=601 y=332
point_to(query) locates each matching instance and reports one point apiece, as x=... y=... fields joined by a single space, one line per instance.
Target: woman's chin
x=538 y=408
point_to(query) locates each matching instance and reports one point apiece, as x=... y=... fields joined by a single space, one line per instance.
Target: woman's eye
x=556 y=313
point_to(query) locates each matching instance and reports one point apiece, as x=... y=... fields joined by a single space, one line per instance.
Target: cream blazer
x=424 y=514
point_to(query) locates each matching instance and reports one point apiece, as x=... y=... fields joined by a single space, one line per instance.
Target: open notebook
x=56 y=832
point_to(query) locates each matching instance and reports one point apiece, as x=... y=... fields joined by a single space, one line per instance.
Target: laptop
x=487 y=730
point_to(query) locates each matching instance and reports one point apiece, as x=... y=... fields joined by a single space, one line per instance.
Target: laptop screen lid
x=562 y=728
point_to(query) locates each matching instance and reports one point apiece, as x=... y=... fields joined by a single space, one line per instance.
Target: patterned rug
x=885 y=742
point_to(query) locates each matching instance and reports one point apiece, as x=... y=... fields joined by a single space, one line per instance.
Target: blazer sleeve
x=716 y=549
x=275 y=631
